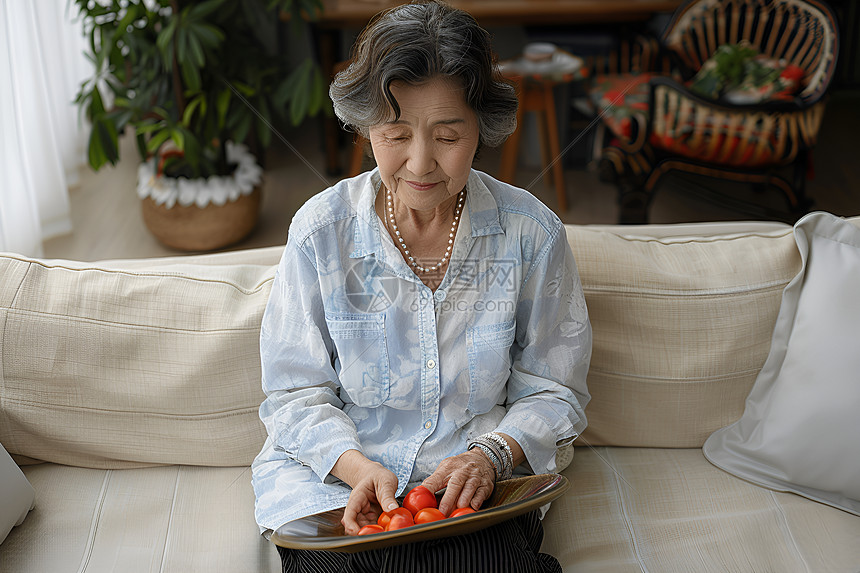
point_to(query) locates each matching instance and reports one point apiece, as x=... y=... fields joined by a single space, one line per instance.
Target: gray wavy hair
x=414 y=43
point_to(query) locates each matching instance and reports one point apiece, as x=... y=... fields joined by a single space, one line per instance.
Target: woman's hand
x=373 y=487
x=469 y=477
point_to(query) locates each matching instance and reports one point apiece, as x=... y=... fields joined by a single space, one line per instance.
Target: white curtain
x=42 y=141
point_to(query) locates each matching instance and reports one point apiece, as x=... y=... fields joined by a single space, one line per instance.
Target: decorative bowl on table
x=539 y=51
x=561 y=66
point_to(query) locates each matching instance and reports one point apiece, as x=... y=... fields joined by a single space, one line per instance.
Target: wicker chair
x=754 y=143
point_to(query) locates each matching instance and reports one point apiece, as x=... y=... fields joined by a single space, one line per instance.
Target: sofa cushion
x=682 y=326
x=669 y=510
x=124 y=349
x=177 y=519
x=128 y=363
x=800 y=430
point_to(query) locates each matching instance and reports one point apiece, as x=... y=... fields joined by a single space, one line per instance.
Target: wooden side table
x=535 y=83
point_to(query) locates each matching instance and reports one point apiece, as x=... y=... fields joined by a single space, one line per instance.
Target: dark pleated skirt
x=509 y=547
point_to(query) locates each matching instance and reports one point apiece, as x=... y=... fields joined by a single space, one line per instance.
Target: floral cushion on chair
x=621 y=99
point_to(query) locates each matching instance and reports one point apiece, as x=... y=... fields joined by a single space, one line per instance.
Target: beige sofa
x=129 y=394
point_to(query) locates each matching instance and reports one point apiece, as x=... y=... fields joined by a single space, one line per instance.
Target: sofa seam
x=94 y=525
x=170 y=520
x=257 y=288
x=787 y=530
x=25 y=312
x=627 y=520
x=208 y=415
x=20 y=284
x=687 y=292
x=684 y=380
x=669 y=242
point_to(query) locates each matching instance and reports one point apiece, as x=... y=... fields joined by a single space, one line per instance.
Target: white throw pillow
x=16 y=494
x=800 y=430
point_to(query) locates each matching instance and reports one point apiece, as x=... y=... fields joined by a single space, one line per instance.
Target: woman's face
x=425 y=156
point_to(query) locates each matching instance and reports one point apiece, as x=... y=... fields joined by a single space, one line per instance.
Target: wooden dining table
x=340 y=15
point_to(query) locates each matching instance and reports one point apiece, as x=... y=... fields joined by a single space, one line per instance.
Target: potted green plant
x=200 y=84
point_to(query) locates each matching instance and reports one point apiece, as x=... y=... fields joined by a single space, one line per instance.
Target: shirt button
x=428 y=424
x=439 y=295
x=431 y=364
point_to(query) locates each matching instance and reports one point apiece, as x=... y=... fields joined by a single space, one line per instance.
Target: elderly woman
x=426 y=323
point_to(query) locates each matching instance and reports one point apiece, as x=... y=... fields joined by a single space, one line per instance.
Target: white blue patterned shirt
x=357 y=353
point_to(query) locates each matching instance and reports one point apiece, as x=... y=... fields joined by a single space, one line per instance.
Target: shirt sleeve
x=302 y=412
x=547 y=391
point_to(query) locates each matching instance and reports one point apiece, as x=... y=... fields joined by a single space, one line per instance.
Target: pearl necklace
x=409 y=258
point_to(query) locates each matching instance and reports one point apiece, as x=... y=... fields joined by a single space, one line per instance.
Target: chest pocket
x=362 y=357
x=489 y=364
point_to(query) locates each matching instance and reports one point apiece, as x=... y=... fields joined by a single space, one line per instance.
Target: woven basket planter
x=191 y=228
x=202 y=214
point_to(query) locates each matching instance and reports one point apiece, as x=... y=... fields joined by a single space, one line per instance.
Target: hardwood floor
x=108 y=224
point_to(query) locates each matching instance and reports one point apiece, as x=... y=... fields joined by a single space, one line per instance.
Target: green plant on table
x=194 y=75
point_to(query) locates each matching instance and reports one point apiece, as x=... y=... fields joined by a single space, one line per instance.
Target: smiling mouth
x=421 y=186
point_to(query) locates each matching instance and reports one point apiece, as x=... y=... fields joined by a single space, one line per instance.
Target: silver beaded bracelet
x=500 y=455
x=499 y=452
x=508 y=454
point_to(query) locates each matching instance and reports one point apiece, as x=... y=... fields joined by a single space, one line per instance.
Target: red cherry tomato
x=399 y=521
x=461 y=511
x=386 y=516
x=427 y=515
x=370 y=529
x=419 y=498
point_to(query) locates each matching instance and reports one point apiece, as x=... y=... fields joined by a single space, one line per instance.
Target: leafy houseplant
x=188 y=77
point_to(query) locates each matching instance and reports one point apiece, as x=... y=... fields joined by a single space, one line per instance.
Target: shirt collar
x=483 y=213
x=367 y=239
x=483 y=210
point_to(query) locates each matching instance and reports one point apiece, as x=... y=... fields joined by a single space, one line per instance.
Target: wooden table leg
x=543 y=134
x=511 y=147
x=555 y=152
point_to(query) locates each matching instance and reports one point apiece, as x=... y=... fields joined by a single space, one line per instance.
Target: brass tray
x=513 y=497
